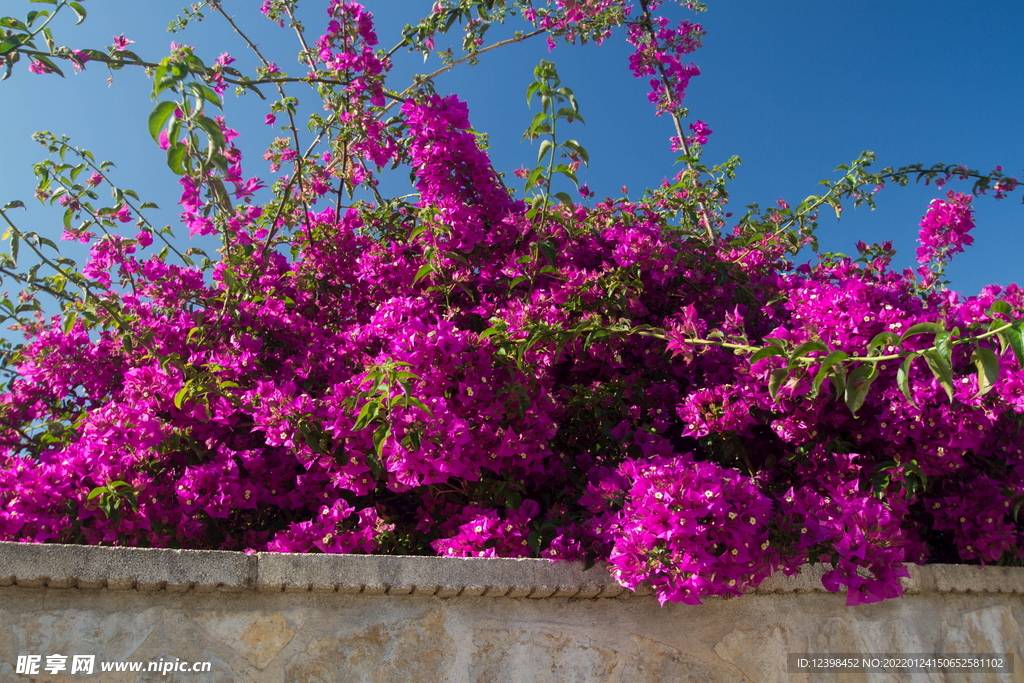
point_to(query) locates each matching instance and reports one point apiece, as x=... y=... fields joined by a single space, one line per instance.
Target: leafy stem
x=79 y=280
x=647 y=23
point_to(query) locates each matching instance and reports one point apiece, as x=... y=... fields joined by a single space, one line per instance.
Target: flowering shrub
x=473 y=373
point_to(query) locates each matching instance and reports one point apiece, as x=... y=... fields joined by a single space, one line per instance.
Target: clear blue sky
x=794 y=87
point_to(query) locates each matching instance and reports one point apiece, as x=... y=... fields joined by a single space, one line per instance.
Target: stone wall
x=330 y=619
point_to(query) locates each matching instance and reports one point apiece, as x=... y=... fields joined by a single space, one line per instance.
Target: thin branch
x=649 y=27
x=448 y=67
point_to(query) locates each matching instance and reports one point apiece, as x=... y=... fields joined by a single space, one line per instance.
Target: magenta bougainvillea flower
x=465 y=372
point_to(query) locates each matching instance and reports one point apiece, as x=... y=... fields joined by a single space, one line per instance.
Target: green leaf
x=858 y=385
x=537 y=125
x=778 y=376
x=179 y=397
x=229 y=278
x=545 y=146
x=518 y=281
x=79 y=12
x=534 y=176
x=424 y=270
x=16 y=204
x=160 y=80
x=176 y=158
x=531 y=90
x=206 y=93
x=567 y=172
x=158 y=117
x=882 y=339
x=943 y=344
x=941 y=369
x=11 y=22
x=408 y=401
x=987 y=363
x=1010 y=337
x=215 y=134
x=1000 y=307
x=567 y=113
x=826 y=365
x=923 y=328
x=804 y=349
x=69 y=322
x=49 y=63
x=220 y=194
x=456 y=256
x=368 y=413
x=488 y=332
x=10 y=43
x=376 y=467
x=548 y=250
x=578 y=149
x=380 y=435
x=767 y=352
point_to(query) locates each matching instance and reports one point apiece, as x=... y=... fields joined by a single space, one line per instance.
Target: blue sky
x=793 y=87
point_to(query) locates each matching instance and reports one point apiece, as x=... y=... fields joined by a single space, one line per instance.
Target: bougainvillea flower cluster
x=472 y=373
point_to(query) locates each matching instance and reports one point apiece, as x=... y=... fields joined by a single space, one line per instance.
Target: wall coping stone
x=31 y=565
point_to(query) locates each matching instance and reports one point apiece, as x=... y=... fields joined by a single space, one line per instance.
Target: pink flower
x=701 y=131
x=80 y=59
x=248 y=188
x=144 y=238
x=944 y=229
x=224 y=59
x=272 y=12
x=121 y=43
x=94 y=180
x=270 y=120
x=165 y=142
x=70 y=202
x=37 y=67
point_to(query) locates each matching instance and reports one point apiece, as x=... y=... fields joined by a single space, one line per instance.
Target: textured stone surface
x=68 y=566
x=444 y=576
x=320 y=619
x=308 y=637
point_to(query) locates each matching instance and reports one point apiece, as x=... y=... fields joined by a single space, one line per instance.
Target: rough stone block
x=123 y=568
x=958 y=578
